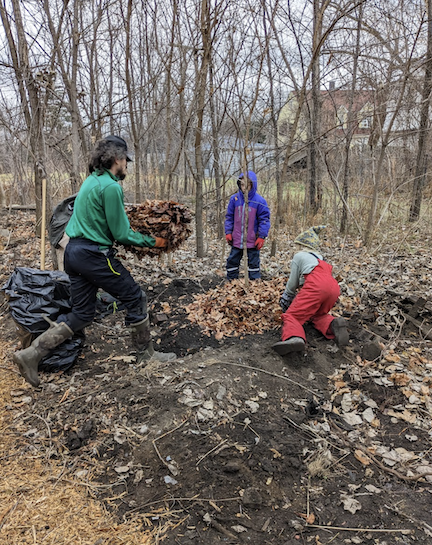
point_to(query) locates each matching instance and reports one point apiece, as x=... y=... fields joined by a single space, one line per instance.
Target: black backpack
x=60 y=218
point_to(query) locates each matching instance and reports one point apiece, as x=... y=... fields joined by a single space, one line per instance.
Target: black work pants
x=90 y=268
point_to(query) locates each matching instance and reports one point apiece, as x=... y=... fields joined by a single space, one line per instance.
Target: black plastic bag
x=59 y=220
x=33 y=294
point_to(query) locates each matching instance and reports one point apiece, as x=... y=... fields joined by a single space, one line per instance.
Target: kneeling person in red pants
x=317 y=295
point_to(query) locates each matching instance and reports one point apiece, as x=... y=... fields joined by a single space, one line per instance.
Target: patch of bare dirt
x=232 y=443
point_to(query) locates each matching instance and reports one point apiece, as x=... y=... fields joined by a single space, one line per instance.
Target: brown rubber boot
x=29 y=358
x=141 y=340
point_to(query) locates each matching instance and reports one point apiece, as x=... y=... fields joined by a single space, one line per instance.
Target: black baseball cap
x=120 y=143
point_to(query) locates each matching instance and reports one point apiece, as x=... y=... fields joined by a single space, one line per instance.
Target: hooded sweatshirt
x=259 y=215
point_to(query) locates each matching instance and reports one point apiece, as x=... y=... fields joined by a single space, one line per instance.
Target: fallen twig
x=268 y=373
x=160 y=437
x=313 y=435
x=193 y=498
x=217 y=526
x=421 y=523
x=210 y=451
x=425 y=331
x=375 y=530
x=7 y=513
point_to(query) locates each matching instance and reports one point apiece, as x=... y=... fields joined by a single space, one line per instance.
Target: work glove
x=285 y=301
x=228 y=237
x=160 y=242
x=259 y=243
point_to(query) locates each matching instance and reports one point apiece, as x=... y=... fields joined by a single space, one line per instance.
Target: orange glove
x=229 y=238
x=160 y=242
x=259 y=243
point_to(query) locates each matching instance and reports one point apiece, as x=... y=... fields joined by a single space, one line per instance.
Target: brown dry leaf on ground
x=233 y=309
x=166 y=219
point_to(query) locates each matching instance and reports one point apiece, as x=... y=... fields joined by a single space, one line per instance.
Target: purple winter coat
x=259 y=215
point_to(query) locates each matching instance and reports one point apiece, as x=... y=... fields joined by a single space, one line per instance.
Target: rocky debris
x=371 y=351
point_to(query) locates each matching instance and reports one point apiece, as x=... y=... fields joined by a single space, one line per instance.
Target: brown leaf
x=233 y=310
x=361 y=457
x=166 y=219
x=400 y=379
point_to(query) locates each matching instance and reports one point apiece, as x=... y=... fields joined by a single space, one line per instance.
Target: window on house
x=365 y=116
x=284 y=128
x=365 y=123
x=342 y=117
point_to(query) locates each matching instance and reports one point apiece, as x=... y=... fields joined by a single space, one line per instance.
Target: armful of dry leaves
x=166 y=219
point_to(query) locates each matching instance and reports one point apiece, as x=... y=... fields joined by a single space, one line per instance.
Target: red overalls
x=316 y=297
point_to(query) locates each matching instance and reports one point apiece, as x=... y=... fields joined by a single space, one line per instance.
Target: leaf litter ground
x=230 y=443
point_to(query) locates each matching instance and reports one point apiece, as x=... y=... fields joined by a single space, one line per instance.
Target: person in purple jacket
x=258 y=227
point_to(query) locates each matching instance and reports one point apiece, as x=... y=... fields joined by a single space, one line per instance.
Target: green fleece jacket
x=99 y=214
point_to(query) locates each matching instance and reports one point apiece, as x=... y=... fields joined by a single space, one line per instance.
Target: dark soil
x=224 y=444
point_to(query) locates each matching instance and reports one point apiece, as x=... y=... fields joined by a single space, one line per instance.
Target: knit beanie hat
x=309 y=238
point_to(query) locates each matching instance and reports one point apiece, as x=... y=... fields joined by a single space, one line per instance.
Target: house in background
x=335 y=108
x=231 y=156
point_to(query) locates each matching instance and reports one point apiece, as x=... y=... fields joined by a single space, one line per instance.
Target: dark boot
x=140 y=333
x=339 y=329
x=141 y=340
x=29 y=358
x=294 y=344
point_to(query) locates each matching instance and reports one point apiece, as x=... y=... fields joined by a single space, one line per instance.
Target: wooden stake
x=43 y=223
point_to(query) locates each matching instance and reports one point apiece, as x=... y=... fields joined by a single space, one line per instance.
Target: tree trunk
x=201 y=88
x=216 y=155
x=274 y=128
x=33 y=106
x=351 y=127
x=78 y=145
x=315 y=183
x=422 y=159
x=130 y=90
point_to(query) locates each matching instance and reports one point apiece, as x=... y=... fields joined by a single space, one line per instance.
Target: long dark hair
x=104 y=155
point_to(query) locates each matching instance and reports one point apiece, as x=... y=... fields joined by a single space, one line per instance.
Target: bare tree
x=206 y=37
x=198 y=86
x=33 y=86
x=78 y=145
x=315 y=182
x=422 y=157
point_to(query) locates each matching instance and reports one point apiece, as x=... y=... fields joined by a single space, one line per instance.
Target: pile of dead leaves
x=165 y=219
x=233 y=309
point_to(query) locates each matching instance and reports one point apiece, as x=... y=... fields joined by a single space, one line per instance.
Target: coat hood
x=252 y=177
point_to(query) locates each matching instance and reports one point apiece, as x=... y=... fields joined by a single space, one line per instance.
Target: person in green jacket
x=99 y=218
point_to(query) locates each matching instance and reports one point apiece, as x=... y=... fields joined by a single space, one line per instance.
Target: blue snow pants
x=233 y=263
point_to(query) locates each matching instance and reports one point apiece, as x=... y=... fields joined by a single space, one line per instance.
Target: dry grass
x=41 y=503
